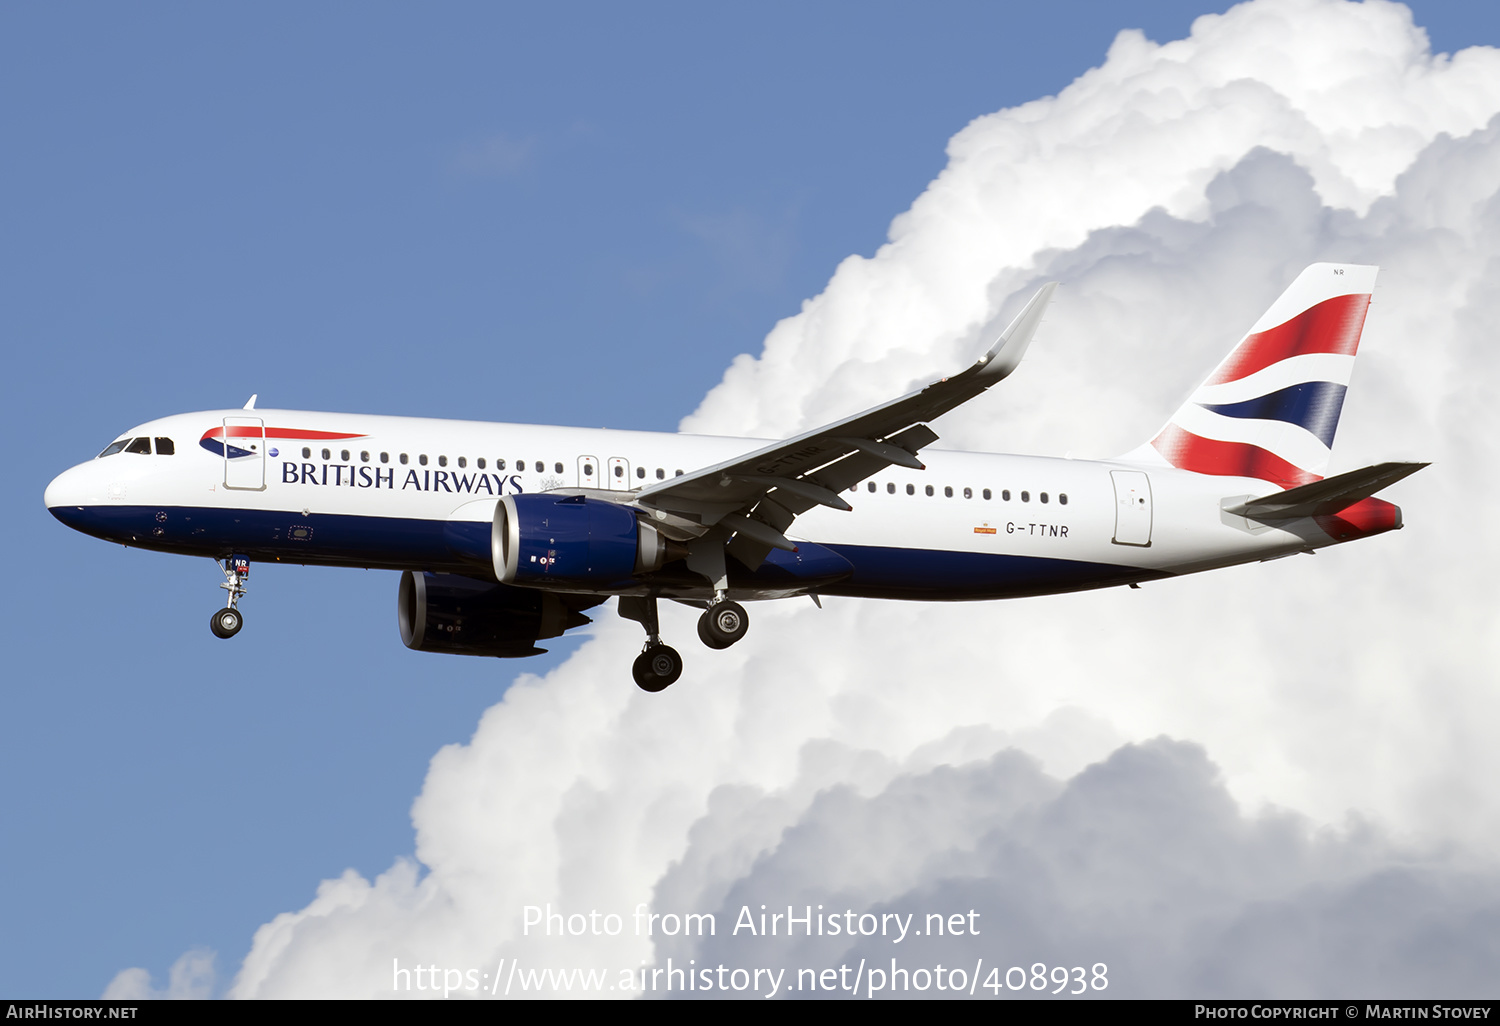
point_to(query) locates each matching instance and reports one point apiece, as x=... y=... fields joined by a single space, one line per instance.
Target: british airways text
x=353 y=476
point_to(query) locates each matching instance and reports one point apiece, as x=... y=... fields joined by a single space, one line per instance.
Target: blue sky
x=575 y=215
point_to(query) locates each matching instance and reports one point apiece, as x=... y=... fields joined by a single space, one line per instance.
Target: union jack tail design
x=1270 y=409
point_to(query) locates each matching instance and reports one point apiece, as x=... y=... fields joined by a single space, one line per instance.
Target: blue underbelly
x=940 y=575
x=398 y=543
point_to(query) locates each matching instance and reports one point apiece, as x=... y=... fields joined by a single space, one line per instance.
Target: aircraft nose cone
x=69 y=490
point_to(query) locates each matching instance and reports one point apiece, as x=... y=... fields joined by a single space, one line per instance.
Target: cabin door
x=245 y=453
x=1132 y=507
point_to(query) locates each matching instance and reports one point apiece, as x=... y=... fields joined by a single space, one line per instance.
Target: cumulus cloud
x=191 y=978
x=1000 y=756
x=1141 y=864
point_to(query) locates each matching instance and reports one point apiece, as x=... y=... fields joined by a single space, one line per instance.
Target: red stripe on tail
x=1333 y=326
x=1188 y=451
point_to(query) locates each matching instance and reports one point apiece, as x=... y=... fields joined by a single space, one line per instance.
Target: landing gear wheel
x=723 y=624
x=657 y=668
x=226 y=623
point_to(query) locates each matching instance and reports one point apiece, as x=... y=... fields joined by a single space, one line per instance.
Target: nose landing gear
x=226 y=623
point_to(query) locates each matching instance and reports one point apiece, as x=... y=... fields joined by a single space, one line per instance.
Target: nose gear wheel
x=226 y=623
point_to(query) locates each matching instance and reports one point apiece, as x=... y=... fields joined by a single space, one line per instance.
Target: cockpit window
x=165 y=447
x=113 y=448
x=140 y=445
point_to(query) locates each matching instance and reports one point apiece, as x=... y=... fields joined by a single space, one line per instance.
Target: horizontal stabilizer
x=1326 y=497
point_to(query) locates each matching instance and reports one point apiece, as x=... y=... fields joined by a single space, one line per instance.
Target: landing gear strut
x=723 y=623
x=226 y=623
x=658 y=666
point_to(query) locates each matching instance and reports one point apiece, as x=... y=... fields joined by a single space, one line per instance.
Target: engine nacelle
x=572 y=541
x=463 y=616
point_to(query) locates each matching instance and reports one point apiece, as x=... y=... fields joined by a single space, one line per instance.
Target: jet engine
x=463 y=616
x=572 y=542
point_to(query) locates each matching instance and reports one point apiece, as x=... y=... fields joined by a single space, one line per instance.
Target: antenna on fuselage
x=250 y=405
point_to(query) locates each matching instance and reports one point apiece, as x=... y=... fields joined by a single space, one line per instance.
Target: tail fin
x=1270 y=409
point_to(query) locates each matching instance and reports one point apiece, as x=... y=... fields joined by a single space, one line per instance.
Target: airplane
x=505 y=534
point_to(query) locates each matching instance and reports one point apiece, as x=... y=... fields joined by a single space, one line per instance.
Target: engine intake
x=463 y=616
x=542 y=540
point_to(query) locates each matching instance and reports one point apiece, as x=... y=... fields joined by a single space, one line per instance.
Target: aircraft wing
x=757 y=496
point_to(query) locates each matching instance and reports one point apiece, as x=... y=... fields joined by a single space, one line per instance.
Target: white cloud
x=1141 y=862
x=1348 y=91
x=1176 y=189
x=191 y=978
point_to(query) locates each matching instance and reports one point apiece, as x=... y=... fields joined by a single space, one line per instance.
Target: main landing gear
x=226 y=623
x=722 y=624
x=659 y=665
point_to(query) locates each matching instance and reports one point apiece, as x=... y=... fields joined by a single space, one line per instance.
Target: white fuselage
x=414 y=493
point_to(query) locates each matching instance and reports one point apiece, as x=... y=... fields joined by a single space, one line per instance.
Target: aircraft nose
x=72 y=488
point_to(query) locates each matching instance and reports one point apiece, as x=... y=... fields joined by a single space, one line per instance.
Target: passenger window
x=661 y=475
x=479 y=463
x=619 y=470
x=588 y=470
x=364 y=457
x=113 y=448
x=911 y=489
x=1062 y=497
x=403 y=459
x=499 y=464
x=1025 y=496
x=422 y=459
x=540 y=466
x=1005 y=495
x=557 y=468
x=344 y=456
x=306 y=453
x=929 y=489
x=1043 y=496
x=872 y=486
x=678 y=474
x=139 y=445
x=640 y=472
x=968 y=493
x=442 y=461
x=891 y=487
x=948 y=491
x=385 y=457
x=165 y=447
x=462 y=462
x=986 y=494
x=327 y=454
